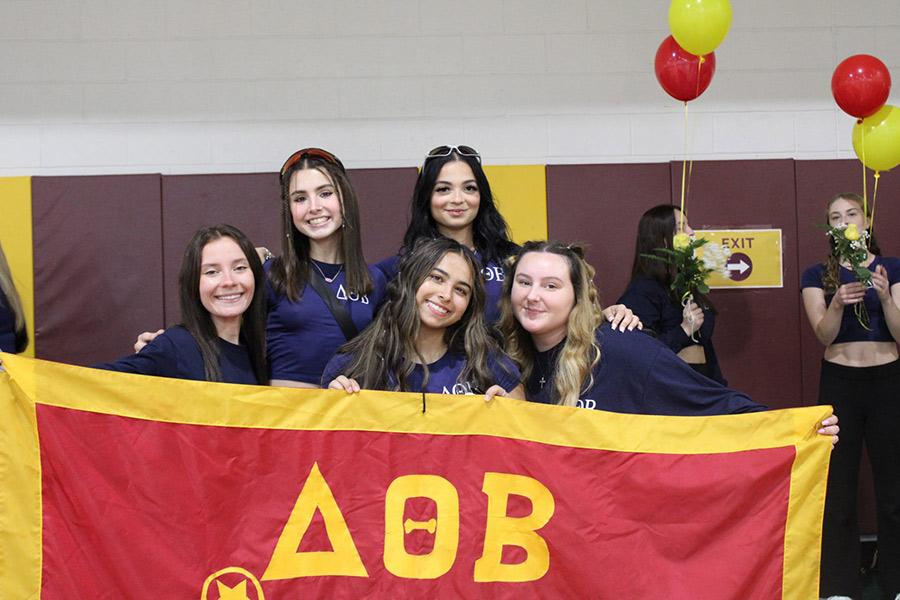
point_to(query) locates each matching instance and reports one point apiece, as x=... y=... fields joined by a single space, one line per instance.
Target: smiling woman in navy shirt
x=320 y=291
x=551 y=321
x=222 y=337
x=430 y=334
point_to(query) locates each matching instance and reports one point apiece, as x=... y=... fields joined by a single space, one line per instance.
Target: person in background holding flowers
x=13 y=334
x=686 y=327
x=860 y=377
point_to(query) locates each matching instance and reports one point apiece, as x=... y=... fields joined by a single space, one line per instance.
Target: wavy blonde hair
x=9 y=290
x=580 y=354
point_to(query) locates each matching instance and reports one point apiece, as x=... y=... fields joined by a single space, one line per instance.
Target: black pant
x=867 y=402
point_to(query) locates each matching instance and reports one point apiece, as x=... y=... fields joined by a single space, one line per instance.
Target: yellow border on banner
x=20 y=495
x=16 y=235
x=215 y=404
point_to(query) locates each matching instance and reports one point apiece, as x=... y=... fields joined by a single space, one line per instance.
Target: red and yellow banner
x=124 y=486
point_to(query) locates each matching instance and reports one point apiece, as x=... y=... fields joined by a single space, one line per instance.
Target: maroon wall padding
x=817 y=182
x=757 y=330
x=384 y=197
x=601 y=205
x=97 y=265
x=250 y=201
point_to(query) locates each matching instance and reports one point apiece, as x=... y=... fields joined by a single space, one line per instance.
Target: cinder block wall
x=199 y=86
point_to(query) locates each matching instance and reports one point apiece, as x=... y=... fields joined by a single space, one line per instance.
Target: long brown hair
x=14 y=303
x=580 y=353
x=382 y=355
x=831 y=277
x=197 y=320
x=290 y=271
x=655 y=230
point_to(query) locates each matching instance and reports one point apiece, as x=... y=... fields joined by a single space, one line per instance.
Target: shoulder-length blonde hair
x=13 y=301
x=580 y=354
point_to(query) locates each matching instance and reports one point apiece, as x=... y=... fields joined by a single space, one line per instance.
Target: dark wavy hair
x=290 y=271
x=831 y=277
x=655 y=230
x=197 y=320
x=489 y=229
x=382 y=355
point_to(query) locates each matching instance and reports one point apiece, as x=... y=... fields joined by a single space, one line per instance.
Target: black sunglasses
x=460 y=150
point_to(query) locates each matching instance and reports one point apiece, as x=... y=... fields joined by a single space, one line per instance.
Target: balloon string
x=684 y=167
x=862 y=143
x=699 y=67
x=874 y=197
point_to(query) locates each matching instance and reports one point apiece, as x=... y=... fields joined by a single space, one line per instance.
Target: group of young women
x=429 y=320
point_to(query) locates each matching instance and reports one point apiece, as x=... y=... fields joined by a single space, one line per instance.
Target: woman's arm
x=826 y=320
x=890 y=299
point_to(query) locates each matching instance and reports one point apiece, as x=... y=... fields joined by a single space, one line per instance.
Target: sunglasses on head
x=299 y=155
x=460 y=150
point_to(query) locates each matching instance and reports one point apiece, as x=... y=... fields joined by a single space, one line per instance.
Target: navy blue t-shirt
x=653 y=304
x=9 y=341
x=443 y=374
x=301 y=336
x=493 y=274
x=851 y=330
x=176 y=354
x=639 y=375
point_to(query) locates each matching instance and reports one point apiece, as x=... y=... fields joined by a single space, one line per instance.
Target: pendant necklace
x=322 y=273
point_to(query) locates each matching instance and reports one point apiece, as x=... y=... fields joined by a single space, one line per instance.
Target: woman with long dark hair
x=686 y=329
x=13 y=332
x=321 y=292
x=430 y=333
x=860 y=377
x=222 y=334
x=452 y=198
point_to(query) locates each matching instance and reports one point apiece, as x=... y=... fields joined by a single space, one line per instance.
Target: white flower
x=715 y=256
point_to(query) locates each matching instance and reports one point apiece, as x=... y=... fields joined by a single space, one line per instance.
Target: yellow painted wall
x=520 y=192
x=15 y=235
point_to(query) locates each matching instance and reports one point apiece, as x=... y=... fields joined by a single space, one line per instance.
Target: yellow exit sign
x=755 y=260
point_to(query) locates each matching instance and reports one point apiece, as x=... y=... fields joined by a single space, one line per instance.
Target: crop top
x=851 y=330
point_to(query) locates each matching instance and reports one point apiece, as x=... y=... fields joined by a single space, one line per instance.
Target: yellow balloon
x=699 y=26
x=882 y=139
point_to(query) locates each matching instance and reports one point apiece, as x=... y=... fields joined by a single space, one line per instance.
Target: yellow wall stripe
x=521 y=195
x=16 y=237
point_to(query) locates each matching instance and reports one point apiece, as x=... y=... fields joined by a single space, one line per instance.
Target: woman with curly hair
x=430 y=334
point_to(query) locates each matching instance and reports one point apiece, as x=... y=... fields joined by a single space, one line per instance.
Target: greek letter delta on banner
x=125 y=486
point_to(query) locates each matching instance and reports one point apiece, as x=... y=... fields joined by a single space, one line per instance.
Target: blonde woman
x=13 y=333
x=551 y=323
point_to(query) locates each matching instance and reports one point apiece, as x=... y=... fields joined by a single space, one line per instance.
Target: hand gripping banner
x=124 y=486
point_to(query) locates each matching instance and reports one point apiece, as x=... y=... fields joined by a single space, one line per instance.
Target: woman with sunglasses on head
x=429 y=335
x=686 y=329
x=552 y=327
x=860 y=377
x=452 y=198
x=321 y=293
x=222 y=336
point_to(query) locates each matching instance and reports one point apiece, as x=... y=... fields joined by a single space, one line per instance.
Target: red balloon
x=861 y=85
x=683 y=75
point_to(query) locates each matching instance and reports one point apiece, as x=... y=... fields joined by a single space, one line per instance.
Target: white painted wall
x=191 y=86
